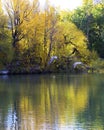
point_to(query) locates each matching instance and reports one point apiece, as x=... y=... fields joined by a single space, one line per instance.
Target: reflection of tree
x=94 y=113
x=50 y=102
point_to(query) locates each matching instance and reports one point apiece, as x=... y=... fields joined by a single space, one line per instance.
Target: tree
x=87 y=2
x=71 y=37
x=92 y=25
x=97 y=31
x=20 y=12
x=51 y=32
x=5 y=40
x=45 y=31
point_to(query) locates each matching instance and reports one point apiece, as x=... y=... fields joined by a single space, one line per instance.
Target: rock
x=52 y=59
x=77 y=63
x=4 y=72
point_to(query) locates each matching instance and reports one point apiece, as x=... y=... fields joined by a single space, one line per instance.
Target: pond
x=52 y=102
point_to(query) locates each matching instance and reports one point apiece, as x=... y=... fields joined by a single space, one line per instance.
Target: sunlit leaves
x=43 y=34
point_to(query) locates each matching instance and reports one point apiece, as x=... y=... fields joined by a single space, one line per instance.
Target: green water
x=52 y=102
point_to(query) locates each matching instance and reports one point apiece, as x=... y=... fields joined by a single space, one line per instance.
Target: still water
x=52 y=102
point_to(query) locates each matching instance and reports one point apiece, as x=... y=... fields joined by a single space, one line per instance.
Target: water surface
x=52 y=102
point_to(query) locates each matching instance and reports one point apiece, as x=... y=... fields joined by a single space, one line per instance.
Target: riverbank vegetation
x=35 y=40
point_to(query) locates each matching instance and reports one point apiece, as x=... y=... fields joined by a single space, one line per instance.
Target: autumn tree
x=20 y=13
x=71 y=36
x=51 y=32
x=45 y=33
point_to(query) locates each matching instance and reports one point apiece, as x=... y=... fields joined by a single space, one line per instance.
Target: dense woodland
x=47 y=39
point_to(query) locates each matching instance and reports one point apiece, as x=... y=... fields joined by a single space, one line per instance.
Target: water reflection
x=52 y=102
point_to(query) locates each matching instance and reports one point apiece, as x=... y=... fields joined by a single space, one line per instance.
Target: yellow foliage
x=45 y=31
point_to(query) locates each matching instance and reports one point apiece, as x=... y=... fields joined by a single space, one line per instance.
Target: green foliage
x=6 y=51
x=90 y=19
